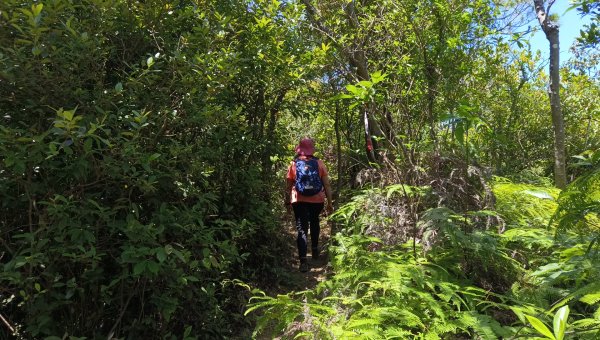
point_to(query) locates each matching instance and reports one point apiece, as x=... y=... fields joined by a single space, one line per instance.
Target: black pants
x=307 y=214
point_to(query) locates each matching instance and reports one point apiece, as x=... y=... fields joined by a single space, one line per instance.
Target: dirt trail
x=291 y=279
x=319 y=268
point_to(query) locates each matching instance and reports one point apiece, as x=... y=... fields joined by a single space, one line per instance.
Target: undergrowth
x=449 y=277
x=379 y=294
x=524 y=205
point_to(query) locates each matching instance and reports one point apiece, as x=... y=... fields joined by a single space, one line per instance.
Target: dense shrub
x=135 y=175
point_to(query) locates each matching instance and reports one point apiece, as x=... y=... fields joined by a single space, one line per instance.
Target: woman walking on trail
x=307 y=186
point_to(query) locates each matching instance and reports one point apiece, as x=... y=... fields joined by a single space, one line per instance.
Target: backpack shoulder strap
x=316 y=161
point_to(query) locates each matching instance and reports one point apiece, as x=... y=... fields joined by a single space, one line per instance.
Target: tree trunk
x=270 y=132
x=550 y=28
x=560 y=174
x=357 y=59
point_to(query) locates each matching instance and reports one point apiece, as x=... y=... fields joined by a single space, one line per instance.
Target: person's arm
x=327 y=186
x=289 y=184
x=287 y=197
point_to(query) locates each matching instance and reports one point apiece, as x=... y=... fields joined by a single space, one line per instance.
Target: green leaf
x=161 y=255
x=68 y=114
x=36 y=50
x=539 y=194
x=353 y=89
x=540 y=327
x=87 y=145
x=365 y=83
x=36 y=9
x=152 y=267
x=590 y=299
x=187 y=331
x=214 y=261
x=179 y=255
x=150 y=62
x=20 y=262
x=459 y=132
x=192 y=279
x=119 y=87
x=154 y=156
x=377 y=77
x=341 y=96
x=560 y=322
x=139 y=268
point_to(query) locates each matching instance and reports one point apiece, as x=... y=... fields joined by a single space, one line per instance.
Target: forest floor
x=291 y=279
x=319 y=268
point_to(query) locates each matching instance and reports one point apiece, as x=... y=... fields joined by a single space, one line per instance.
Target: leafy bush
x=478 y=256
x=381 y=291
x=387 y=213
x=566 y=271
x=133 y=181
x=468 y=282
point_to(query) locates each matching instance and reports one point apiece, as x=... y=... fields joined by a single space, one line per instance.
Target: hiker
x=307 y=186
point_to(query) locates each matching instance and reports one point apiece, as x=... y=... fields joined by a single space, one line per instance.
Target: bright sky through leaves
x=571 y=23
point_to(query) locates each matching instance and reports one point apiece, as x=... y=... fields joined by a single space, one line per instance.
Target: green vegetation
x=143 y=146
x=478 y=284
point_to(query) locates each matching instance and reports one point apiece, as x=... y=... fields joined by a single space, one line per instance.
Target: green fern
x=524 y=205
x=380 y=294
x=478 y=256
x=579 y=204
x=384 y=291
x=531 y=239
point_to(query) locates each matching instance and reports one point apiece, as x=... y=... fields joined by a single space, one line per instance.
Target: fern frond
x=524 y=205
x=589 y=294
x=591 y=299
x=579 y=204
x=397 y=333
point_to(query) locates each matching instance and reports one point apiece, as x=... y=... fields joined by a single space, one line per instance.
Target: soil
x=292 y=280
x=319 y=268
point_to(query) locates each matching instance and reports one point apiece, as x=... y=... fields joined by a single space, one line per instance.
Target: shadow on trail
x=318 y=272
x=291 y=278
x=288 y=279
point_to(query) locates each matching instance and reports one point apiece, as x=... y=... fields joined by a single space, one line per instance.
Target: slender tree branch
x=114 y=327
x=550 y=3
x=312 y=15
x=359 y=64
x=5 y=322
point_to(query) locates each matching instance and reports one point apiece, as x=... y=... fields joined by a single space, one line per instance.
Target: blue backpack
x=308 y=181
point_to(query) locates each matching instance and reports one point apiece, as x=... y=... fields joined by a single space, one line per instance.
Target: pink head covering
x=306 y=147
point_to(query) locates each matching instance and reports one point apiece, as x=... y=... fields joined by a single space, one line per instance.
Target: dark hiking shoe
x=303 y=266
x=315 y=253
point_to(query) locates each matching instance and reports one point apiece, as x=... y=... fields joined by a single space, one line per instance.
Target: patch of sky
x=571 y=23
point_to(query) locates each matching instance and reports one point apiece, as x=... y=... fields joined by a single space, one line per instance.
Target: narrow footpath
x=292 y=280
x=319 y=268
